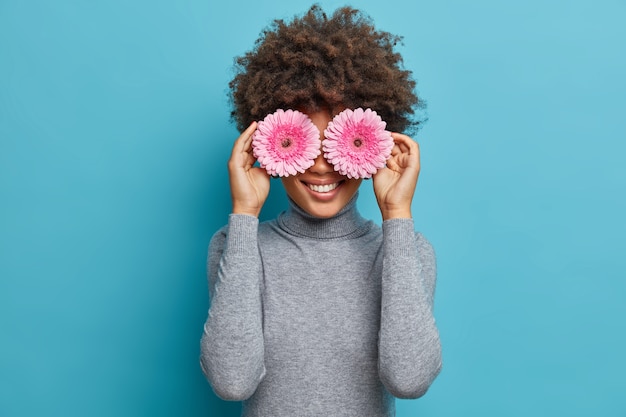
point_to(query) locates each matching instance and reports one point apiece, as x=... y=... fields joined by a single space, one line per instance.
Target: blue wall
x=114 y=135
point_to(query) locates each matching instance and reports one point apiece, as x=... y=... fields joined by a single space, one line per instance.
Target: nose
x=321 y=165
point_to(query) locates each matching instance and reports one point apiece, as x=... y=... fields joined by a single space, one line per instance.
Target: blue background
x=114 y=139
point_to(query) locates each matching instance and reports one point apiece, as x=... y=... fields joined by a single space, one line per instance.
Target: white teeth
x=323 y=188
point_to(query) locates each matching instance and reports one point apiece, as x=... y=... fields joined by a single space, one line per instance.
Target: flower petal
x=286 y=142
x=356 y=143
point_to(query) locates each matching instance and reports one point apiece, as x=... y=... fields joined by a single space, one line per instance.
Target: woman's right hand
x=249 y=185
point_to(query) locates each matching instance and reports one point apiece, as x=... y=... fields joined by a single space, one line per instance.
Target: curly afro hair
x=315 y=62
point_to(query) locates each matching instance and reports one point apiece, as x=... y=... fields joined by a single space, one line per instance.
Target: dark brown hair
x=314 y=63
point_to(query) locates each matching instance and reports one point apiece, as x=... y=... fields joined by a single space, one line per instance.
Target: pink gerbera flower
x=286 y=142
x=356 y=143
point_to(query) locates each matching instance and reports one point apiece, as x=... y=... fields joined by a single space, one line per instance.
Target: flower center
x=286 y=142
x=358 y=142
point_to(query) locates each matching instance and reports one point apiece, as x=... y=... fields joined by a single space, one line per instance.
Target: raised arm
x=232 y=349
x=409 y=346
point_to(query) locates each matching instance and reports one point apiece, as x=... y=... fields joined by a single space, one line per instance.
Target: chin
x=324 y=212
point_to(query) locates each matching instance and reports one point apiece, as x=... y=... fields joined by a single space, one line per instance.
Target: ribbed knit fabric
x=320 y=317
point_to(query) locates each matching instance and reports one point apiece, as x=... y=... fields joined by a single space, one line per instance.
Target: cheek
x=357 y=183
x=352 y=185
x=289 y=184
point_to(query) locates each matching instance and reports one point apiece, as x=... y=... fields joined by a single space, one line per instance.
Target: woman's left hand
x=395 y=184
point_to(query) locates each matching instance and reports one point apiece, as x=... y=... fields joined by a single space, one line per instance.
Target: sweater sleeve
x=409 y=346
x=232 y=349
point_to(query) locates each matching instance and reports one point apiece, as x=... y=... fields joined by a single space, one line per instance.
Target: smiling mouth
x=326 y=188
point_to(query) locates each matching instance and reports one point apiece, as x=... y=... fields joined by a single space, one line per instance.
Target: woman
x=320 y=312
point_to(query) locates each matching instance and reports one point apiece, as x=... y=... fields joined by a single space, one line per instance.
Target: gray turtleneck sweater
x=320 y=317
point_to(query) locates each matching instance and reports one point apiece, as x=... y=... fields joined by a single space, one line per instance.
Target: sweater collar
x=346 y=224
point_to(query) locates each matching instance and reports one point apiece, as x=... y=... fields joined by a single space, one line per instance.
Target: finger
x=244 y=141
x=404 y=148
x=401 y=136
x=406 y=143
x=405 y=140
x=250 y=160
x=242 y=155
x=393 y=165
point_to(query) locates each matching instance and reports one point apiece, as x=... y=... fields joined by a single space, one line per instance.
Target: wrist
x=396 y=214
x=246 y=210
